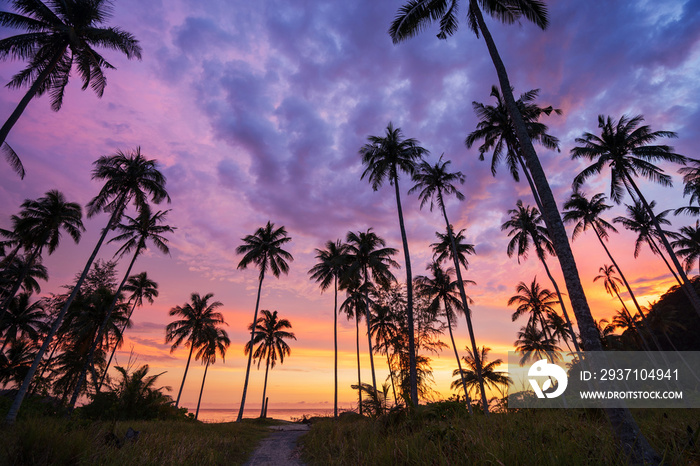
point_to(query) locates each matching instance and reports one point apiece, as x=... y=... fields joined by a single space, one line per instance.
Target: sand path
x=280 y=447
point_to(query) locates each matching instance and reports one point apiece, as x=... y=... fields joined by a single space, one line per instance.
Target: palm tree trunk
x=369 y=337
x=335 y=347
x=187 y=366
x=100 y=332
x=201 y=390
x=655 y=249
x=412 y=370
x=114 y=350
x=31 y=93
x=391 y=375
x=632 y=441
x=561 y=299
x=357 y=342
x=267 y=368
x=17 y=403
x=250 y=355
x=459 y=363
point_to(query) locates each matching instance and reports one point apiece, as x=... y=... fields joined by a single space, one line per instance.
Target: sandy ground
x=280 y=447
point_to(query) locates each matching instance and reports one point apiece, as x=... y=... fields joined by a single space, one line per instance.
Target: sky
x=256 y=111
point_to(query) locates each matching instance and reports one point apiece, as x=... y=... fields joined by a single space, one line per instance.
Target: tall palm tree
x=442 y=288
x=626 y=147
x=215 y=340
x=638 y=221
x=384 y=157
x=24 y=320
x=134 y=233
x=434 y=182
x=687 y=245
x=61 y=36
x=691 y=187
x=270 y=333
x=494 y=379
x=332 y=263
x=264 y=249
x=40 y=222
x=384 y=329
x=19 y=266
x=534 y=344
x=129 y=177
x=368 y=257
x=534 y=301
x=140 y=287
x=525 y=227
x=442 y=249
x=198 y=319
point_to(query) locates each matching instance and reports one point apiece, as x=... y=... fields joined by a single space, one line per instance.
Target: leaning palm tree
x=198 y=320
x=434 y=182
x=264 y=249
x=384 y=157
x=270 y=333
x=687 y=245
x=691 y=187
x=129 y=177
x=60 y=37
x=40 y=222
x=332 y=263
x=134 y=233
x=626 y=147
x=492 y=378
x=525 y=227
x=215 y=340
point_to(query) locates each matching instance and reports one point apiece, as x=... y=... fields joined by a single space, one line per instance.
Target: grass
x=59 y=441
x=444 y=434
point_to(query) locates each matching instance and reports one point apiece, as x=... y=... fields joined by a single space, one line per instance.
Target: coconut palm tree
x=134 y=233
x=687 y=245
x=60 y=36
x=369 y=258
x=270 y=333
x=384 y=158
x=442 y=249
x=23 y=320
x=691 y=182
x=441 y=288
x=534 y=301
x=18 y=266
x=492 y=378
x=128 y=177
x=140 y=287
x=215 y=340
x=384 y=329
x=525 y=227
x=533 y=344
x=264 y=249
x=40 y=222
x=198 y=319
x=434 y=182
x=332 y=263
x=626 y=147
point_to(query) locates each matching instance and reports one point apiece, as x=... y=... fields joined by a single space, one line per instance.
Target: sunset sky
x=256 y=111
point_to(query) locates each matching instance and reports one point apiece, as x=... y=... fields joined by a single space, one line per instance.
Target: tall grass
x=444 y=434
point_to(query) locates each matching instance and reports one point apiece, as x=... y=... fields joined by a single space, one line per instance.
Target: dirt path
x=280 y=447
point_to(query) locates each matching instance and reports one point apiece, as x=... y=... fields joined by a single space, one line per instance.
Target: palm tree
x=270 y=333
x=40 y=221
x=59 y=35
x=141 y=287
x=215 y=340
x=384 y=157
x=638 y=220
x=384 y=329
x=24 y=320
x=332 y=263
x=134 y=233
x=691 y=182
x=534 y=301
x=626 y=148
x=128 y=177
x=534 y=344
x=443 y=288
x=264 y=249
x=442 y=249
x=526 y=228
x=368 y=256
x=435 y=181
x=18 y=266
x=199 y=319
x=687 y=245
x=494 y=379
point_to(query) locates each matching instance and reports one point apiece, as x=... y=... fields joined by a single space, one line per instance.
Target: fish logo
x=544 y=369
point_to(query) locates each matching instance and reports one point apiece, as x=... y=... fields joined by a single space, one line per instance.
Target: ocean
x=284 y=414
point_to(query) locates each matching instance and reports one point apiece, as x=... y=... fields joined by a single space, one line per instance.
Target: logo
x=544 y=369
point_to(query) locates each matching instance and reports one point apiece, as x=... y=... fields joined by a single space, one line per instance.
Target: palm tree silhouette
x=435 y=181
x=368 y=256
x=215 y=340
x=332 y=263
x=40 y=223
x=270 y=333
x=264 y=249
x=198 y=320
x=626 y=148
x=135 y=233
x=492 y=378
x=59 y=35
x=384 y=157
x=128 y=177
x=691 y=182
x=384 y=329
x=24 y=320
x=687 y=245
x=534 y=344
x=526 y=228
x=536 y=302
